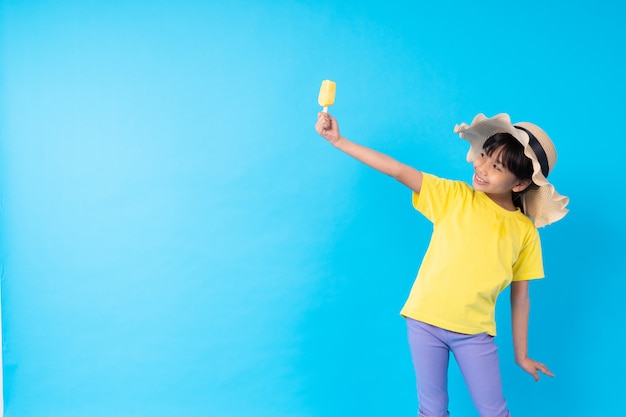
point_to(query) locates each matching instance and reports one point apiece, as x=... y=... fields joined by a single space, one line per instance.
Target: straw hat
x=544 y=205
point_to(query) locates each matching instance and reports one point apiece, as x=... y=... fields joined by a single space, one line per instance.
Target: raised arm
x=520 y=309
x=328 y=128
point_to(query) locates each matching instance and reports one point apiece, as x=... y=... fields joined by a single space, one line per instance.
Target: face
x=492 y=178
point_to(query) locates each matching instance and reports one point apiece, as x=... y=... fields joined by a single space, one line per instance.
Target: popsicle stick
x=325 y=109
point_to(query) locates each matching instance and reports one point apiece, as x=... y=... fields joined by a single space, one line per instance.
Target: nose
x=479 y=165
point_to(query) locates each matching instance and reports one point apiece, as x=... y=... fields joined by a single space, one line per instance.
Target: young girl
x=484 y=238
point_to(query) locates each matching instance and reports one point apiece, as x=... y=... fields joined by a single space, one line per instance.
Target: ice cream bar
x=327 y=94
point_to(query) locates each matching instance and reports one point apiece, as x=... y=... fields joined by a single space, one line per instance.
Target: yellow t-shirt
x=477 y=248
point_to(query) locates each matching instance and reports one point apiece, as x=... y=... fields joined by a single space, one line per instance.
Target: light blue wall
x=177 y=240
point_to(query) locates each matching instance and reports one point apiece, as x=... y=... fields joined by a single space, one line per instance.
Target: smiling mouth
x=479 y=180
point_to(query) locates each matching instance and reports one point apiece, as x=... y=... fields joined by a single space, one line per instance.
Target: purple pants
x=477 y=357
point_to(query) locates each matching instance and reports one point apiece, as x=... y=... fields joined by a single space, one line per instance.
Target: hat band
x=538 y=150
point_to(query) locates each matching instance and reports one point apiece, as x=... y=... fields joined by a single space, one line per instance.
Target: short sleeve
x=436 y=194
x=529 y=264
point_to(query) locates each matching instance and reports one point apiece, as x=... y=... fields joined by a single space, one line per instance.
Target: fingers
x=325 y=120
x=533 y=368
x=544 y=369
x=540 y=367
x=326 y=125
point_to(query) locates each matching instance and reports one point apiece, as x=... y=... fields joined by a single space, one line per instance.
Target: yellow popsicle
x=327 y=94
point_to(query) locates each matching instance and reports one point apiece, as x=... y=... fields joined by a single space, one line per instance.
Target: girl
x=484 y=238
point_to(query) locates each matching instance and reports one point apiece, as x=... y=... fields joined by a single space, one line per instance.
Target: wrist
x=520 y=357
x=338 y=142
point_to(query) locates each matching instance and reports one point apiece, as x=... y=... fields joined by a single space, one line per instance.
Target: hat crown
x=544 y=141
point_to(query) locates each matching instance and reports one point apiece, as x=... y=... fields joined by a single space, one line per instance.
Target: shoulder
x=438 y=195
x=524 y=227
x=432 y=183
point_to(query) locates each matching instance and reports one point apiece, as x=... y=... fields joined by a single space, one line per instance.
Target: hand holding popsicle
x=327 y=127
x=327 y=94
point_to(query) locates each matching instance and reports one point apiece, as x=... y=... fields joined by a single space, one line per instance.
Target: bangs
x=510 y=153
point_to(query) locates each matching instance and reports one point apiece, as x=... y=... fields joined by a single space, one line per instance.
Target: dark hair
x=513 y=158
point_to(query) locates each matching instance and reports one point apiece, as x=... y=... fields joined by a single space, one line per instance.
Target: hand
x=327 y=127
x=532 y=366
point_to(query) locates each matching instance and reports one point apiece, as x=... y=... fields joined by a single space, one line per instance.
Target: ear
x=521 y=185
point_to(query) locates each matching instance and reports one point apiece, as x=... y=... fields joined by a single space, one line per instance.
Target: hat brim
x=544 y=205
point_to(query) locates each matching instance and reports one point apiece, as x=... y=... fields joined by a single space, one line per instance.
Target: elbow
x=396 y=171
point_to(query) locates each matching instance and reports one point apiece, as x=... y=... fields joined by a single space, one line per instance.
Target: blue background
x=177 y=240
